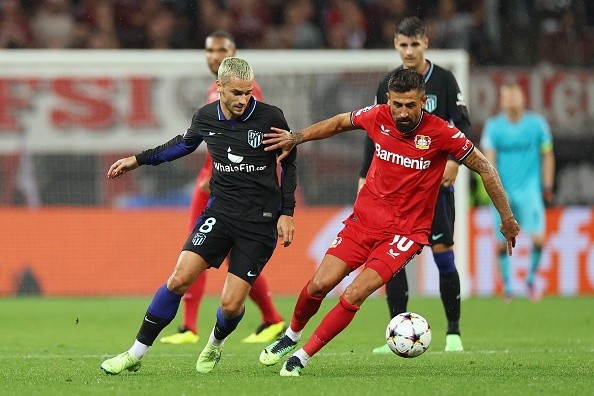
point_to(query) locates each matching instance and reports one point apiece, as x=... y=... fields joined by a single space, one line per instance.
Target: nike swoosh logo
x=436 y=236
x=211 y=133
x=148 y=320
x=250 y=273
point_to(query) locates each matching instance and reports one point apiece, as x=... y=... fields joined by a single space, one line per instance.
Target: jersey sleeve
x=178 y=147
x=456 y=143
x=288 y=177
x=546 y=138
x=364 y=118
x=456 y=105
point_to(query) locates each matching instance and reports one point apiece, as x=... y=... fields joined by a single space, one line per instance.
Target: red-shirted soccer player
x=218 y=46
x=392 y=216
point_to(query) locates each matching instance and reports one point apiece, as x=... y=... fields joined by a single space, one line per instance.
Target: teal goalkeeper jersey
x=518 y=147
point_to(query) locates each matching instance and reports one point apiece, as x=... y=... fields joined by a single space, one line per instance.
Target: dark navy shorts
x=249 y=245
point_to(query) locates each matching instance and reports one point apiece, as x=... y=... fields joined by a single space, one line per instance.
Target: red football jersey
x=403 y=181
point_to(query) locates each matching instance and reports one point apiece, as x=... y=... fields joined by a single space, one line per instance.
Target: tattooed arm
x=477 y=162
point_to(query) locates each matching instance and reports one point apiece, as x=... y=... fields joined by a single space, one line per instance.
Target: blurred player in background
x=249 y=208
x=391 y=219
x=519 y=144
x=444 y=100
x=218 y=46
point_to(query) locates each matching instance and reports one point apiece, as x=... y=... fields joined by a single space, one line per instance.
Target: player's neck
x=423 y=67
x=514 y=115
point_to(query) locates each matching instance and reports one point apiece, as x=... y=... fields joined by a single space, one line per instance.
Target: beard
x=406 y=125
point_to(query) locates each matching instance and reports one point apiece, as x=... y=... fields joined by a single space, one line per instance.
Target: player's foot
x=121 y=362
x=533 y=292
x=453 y=343
x=384 y=349
x=208 y=358
x=275 y=351
x=292 y=367
x=183 y=336
x=266 y=332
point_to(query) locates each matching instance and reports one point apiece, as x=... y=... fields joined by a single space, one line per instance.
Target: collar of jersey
x=246 y=114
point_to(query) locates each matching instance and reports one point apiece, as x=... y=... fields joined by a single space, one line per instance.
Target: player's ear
x=219 y=86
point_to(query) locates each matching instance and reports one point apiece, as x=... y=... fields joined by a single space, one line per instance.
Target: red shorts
x=385 y=254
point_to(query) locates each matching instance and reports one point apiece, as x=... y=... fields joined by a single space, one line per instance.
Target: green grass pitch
x=54 y=347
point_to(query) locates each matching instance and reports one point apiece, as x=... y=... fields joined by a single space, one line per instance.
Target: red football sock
x=333 y=323
x=192 y=300
x=305 y=308
x=262 y=296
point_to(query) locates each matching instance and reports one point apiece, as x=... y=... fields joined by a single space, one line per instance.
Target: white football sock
x=138 y=349
x=295 y=336
x=303 y=356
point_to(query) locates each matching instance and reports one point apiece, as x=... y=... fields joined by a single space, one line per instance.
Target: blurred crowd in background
x=494 y=32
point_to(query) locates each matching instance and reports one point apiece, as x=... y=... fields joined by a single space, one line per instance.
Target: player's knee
x=231 y=307
x=354 y=295
x=445 y=262
x=317 y=287
x=177 y=285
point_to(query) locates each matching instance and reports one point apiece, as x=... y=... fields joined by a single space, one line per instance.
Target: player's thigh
x=249 y=255
x=210 y=239
x=352 y=246
x=188 y=268
x=444 y=216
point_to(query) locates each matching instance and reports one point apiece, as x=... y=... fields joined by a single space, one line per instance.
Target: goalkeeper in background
x=519 y=144
x=444 y=100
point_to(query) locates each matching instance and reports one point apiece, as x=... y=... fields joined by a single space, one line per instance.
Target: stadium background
x=65 y=116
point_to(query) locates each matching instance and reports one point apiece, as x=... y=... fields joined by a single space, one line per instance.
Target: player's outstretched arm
x=477 y=162
x=122 y=166
x=281 y=139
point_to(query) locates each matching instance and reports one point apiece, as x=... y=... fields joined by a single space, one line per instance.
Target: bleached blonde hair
x=234 y=67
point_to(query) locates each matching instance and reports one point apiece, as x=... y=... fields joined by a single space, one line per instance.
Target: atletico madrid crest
x=422 y=142
x=255 y=138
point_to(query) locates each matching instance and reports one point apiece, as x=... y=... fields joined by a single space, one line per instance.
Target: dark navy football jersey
x=244 y=183
x=444 y=100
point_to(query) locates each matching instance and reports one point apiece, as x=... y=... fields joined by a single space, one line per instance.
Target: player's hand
x=122 y=166
x=286 y=229
x=450 y=173
x=510 y=229
x=280 y=139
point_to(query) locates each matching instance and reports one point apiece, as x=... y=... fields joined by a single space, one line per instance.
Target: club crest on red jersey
x=422 y=142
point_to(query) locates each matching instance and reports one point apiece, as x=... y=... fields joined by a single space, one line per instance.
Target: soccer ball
x=408 y=335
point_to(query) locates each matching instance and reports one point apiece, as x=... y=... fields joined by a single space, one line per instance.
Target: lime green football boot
x=275 y=351
x=121 y=362
x=265 y=333
x=209 y=358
